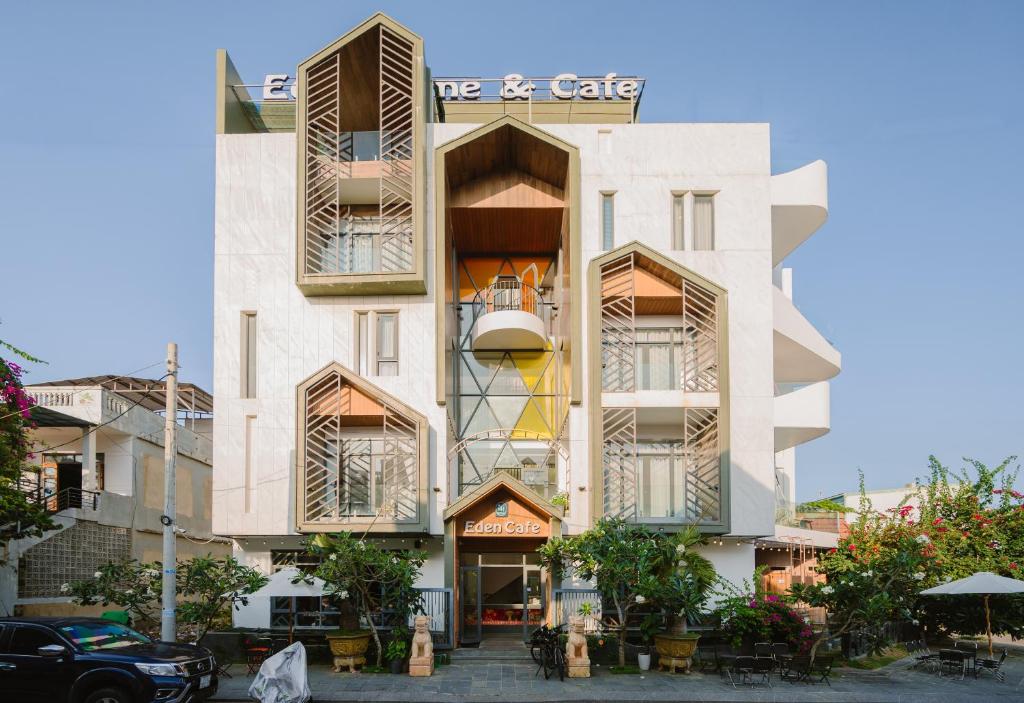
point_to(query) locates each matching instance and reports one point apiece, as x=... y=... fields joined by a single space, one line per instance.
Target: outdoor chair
x=922 y=655
x=821 y=669
x=953 y=661
x=741 y=668
x=707 y=658
x=258 y=651
x=796 y=669
x=763 y=649
x=993 y=665
x=763 y=667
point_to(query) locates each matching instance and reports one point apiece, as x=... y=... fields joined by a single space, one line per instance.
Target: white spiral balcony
x=511 y=318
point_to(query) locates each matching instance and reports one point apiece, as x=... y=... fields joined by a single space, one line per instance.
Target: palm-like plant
x=686 y=589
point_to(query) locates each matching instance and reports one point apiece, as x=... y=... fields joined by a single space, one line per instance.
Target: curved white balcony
x=802 y=354
x=801 y=415
x=510 y=319
x=799 y=207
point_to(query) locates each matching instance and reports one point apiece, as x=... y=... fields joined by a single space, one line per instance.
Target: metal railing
x=64 y=499
x=511 y=294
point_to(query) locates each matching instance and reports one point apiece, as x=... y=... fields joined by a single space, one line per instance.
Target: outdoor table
x=966 y=659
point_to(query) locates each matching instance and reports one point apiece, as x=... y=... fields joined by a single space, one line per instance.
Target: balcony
x=510 y=318
x=802 y=354
x=801 y=415
x=799 y=207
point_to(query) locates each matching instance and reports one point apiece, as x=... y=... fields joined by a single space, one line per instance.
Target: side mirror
x=52 y=651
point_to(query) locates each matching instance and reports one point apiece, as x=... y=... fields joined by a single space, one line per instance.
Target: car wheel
x=108 y=695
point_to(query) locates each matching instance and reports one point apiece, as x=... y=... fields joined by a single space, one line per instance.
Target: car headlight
x=161 y=669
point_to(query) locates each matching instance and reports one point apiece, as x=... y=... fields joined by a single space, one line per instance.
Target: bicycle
x=547 y=653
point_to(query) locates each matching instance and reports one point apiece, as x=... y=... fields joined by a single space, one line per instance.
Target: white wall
x=254 y=270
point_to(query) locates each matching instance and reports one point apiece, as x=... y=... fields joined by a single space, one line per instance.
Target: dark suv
x=89 y=660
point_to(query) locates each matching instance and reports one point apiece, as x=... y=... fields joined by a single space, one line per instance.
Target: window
x=362 y=343
x=250 y=424
x=380 y=345
x=387 y=344
x=248 y=360
x=662 y=480
x=91 y=636
x=678 y=240
x=28 y=640
x=607 y=221
x=659 y=357
x=703 y=222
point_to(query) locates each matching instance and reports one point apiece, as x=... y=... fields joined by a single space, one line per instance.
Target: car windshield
x=93 y=635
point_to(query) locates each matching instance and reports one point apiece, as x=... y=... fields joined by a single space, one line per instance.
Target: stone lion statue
x=422 y=644
x=576 y=646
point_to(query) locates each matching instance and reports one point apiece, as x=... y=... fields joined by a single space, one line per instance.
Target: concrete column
x=88 y=459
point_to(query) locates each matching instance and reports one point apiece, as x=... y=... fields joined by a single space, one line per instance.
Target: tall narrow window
x=250 y=423
x=678 y=241
x=248 y=356
x=362 y=343
x=607 y=221
x=704 y=222
x=387 y=344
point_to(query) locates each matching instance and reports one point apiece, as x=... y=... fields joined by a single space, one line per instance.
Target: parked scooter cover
x=282 y=678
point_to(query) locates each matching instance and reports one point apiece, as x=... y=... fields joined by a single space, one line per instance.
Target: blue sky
x=106 y=179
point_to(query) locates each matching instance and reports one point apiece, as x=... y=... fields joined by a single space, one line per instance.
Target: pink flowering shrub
x=749 y=617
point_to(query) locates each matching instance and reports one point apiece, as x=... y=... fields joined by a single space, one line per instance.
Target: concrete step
x=502 y=649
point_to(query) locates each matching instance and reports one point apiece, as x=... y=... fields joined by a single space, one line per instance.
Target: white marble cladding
x=644 y=164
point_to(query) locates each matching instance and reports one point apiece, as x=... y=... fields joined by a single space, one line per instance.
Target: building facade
x=98 y=469
x=470 y=315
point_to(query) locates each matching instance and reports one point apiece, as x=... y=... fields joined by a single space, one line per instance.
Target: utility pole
x=168 y=625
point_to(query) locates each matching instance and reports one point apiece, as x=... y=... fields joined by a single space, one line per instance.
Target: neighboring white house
x=468 y=315
x=98 y=467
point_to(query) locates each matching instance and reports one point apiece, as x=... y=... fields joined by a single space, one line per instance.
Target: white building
x=98 y=468
x=468 y=315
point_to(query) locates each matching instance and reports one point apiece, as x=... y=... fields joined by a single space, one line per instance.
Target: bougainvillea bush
x=974 y=523
x=20 y=516
x=963 y=524
x=750 y=615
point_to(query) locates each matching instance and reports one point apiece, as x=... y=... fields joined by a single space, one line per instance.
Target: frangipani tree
x=366 y=578
x=634 y=567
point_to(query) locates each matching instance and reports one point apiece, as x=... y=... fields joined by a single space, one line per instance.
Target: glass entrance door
x=533 y=602
x=469 y=608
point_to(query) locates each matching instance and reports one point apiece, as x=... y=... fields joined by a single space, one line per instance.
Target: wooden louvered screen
x=703 y=465
x=700 y=325
x=618 y=458
x=328 y=159
x=618 y=326
x=360 y=456
x=397 y=74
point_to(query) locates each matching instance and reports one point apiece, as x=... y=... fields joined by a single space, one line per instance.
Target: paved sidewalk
x=490 y=682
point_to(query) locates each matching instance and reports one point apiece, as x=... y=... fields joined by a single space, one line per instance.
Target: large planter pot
x=675 y=650
x=348 y=650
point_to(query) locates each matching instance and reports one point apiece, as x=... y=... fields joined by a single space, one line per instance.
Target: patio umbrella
x=280 y=585
x=983 y=583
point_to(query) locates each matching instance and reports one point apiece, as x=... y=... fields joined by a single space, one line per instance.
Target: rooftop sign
x=564 y=86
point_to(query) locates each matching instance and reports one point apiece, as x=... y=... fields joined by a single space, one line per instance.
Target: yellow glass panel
x=531 y=366
x=533 y=420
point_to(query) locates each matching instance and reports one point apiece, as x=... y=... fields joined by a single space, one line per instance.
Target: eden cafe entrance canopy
x=491 y=540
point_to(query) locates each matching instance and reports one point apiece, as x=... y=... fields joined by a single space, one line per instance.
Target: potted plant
x=364 y=579
x=397 y=651
x=682 y=594
x=648 y=627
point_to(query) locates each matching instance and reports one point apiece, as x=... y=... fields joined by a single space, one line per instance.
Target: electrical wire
x=87 y=388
